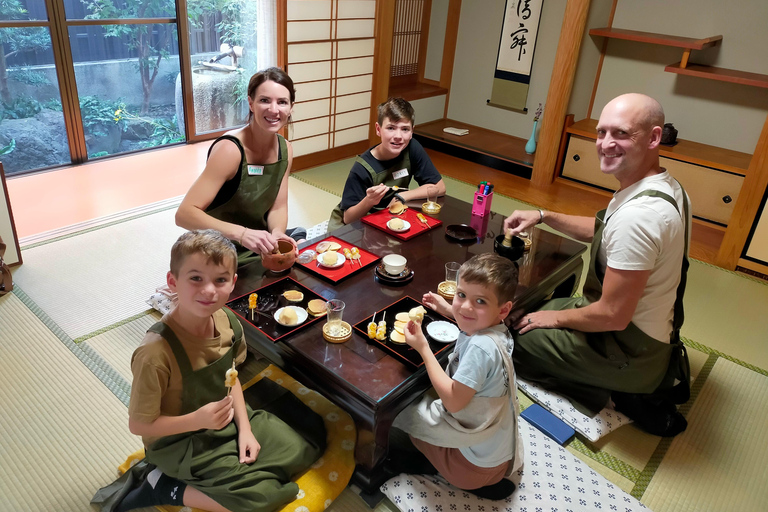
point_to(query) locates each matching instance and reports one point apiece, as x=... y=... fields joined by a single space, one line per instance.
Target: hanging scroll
x=515 y=58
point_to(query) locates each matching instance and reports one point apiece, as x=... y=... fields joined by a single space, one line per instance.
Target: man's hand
x=258 y=241
x=415 y=338
x=215 y=415
x=375 y=194
x=439 y=304
x=537 y=320
x=248 y=446
x=521 y=220
x=279 y=235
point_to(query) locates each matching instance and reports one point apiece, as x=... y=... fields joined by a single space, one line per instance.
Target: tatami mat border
x=641 y=484
x=707 y=350
x=89 y=357
x=606 y=459
x=113 y=326
x=309 y=182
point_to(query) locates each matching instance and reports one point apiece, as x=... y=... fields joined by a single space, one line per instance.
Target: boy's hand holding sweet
x=375 y=194
x=248 y=446
x=415 y=338
x=216 y=415
x=439 y=304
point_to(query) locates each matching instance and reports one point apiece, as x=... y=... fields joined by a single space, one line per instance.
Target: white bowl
x=300 y=312
x=394 y=263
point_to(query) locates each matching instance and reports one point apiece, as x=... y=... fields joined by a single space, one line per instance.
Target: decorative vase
x=530 y=146
x=669 y=134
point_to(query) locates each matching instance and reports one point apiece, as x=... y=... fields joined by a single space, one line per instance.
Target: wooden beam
x=382 y=57
x=566 y=58
x=426 y=15
x=747 y=205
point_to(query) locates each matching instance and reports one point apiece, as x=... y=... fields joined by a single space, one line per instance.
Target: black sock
x=166 y=491
x=498 y=491
x=412 y=462
x=655 y=416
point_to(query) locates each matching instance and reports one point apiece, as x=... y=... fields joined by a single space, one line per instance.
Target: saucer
x=404 y=277
x=393 y=277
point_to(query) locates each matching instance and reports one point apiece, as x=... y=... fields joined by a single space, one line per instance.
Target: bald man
x=620 y=342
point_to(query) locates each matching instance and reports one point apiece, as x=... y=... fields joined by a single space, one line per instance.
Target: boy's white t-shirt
x=479 y=365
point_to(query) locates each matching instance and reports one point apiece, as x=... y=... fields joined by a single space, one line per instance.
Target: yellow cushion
x=324 y=481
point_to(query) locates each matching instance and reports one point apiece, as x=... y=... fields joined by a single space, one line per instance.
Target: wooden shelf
x=685 y=150
x=722 y=74
x=659 y=39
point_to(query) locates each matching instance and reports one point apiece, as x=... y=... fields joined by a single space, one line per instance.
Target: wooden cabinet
x=757 y=244
x=713 y=189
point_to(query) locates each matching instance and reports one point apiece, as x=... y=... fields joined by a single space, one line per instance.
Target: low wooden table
x=360 y=377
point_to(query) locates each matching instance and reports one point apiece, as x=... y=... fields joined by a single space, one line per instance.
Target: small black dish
x=406 y=276
x=461 y=233
x=512 y=253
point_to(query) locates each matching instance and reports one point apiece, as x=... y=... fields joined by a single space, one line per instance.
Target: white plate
x=406 y=226
x=443 y=331
x=340 y=259
x=300 y=312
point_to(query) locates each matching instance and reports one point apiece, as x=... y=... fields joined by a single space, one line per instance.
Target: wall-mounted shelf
x=722 y=74
x=660 y=39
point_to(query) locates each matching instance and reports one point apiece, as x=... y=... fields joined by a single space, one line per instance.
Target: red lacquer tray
x=348 y=268
x=380 y=219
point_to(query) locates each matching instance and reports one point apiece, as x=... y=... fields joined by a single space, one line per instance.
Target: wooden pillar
x=382 y=58
x=571 y=34
x=747 y=205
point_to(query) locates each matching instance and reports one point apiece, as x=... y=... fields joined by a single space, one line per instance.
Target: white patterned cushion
x=593 y=428
x=551 y=480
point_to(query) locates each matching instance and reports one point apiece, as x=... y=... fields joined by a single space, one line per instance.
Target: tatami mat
x=63 y=432
x=719 y=463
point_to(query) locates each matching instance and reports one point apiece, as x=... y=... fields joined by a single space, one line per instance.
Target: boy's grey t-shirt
x=479 y=365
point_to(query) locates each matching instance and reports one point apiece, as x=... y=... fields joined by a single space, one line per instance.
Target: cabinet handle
x=576 y=158
x=727 y=199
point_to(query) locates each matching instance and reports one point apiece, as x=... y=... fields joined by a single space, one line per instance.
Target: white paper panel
x=308 y=30
x=310 y=128
x=358 y=66
x=357 y=9
x=310 y=109
x=353 y=102
x=309 y=52
x=358 y=48
x=352 y=135
x=312 y=145
x=347 y=29
x=313 y=90
x=310 y=71
x=350 y=119
x=354 y=84
x=309 y=9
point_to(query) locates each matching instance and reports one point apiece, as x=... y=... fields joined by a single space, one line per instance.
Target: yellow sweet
x=329 y=258
x=288 y=317
x=417 y=314
x=230 y=378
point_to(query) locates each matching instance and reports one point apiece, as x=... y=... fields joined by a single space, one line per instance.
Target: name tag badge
x=255 y=170
x=402 y=173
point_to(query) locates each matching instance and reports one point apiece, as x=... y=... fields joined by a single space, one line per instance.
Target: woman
x=239 y=193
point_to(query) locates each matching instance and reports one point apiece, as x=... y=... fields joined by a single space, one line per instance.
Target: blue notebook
x=548 y=423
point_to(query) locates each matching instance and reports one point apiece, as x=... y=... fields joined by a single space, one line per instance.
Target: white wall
x=437 y=21
x=711 y=112
x=475 y=62
x=429 y=109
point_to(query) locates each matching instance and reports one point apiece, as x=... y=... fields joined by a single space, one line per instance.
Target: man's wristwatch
x=399 y=198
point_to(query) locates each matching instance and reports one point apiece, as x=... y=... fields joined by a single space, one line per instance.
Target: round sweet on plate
x=398 y=225
x=293 y=295
x=402 y=317
x=396 y=337
x=445 y=332
x=295 y=316
x=397 y=208
x=316 y=307
x=331 y=259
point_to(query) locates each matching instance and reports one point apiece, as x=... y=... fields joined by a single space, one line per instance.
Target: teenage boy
x=469 y=434
x=211 y=451
x=371 y=183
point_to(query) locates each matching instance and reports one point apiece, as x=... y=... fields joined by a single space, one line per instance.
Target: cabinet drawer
x=581 y=163
x=713 y=193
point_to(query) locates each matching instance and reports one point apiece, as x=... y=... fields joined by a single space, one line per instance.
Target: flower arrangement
x=538 y=112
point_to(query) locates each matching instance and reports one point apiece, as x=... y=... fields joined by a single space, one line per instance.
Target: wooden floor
x=51 y=200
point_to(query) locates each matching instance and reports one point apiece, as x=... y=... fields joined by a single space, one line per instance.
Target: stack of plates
x=403 y=277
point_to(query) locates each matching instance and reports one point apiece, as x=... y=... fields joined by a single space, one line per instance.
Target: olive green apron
x=586 y=367
x=402 y=162
x=254 y=197
x=208 y=460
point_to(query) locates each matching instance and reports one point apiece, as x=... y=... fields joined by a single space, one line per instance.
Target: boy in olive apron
x=205 y=447
x=382 y=174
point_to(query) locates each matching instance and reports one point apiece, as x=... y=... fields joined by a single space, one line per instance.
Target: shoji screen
x=330 y=59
